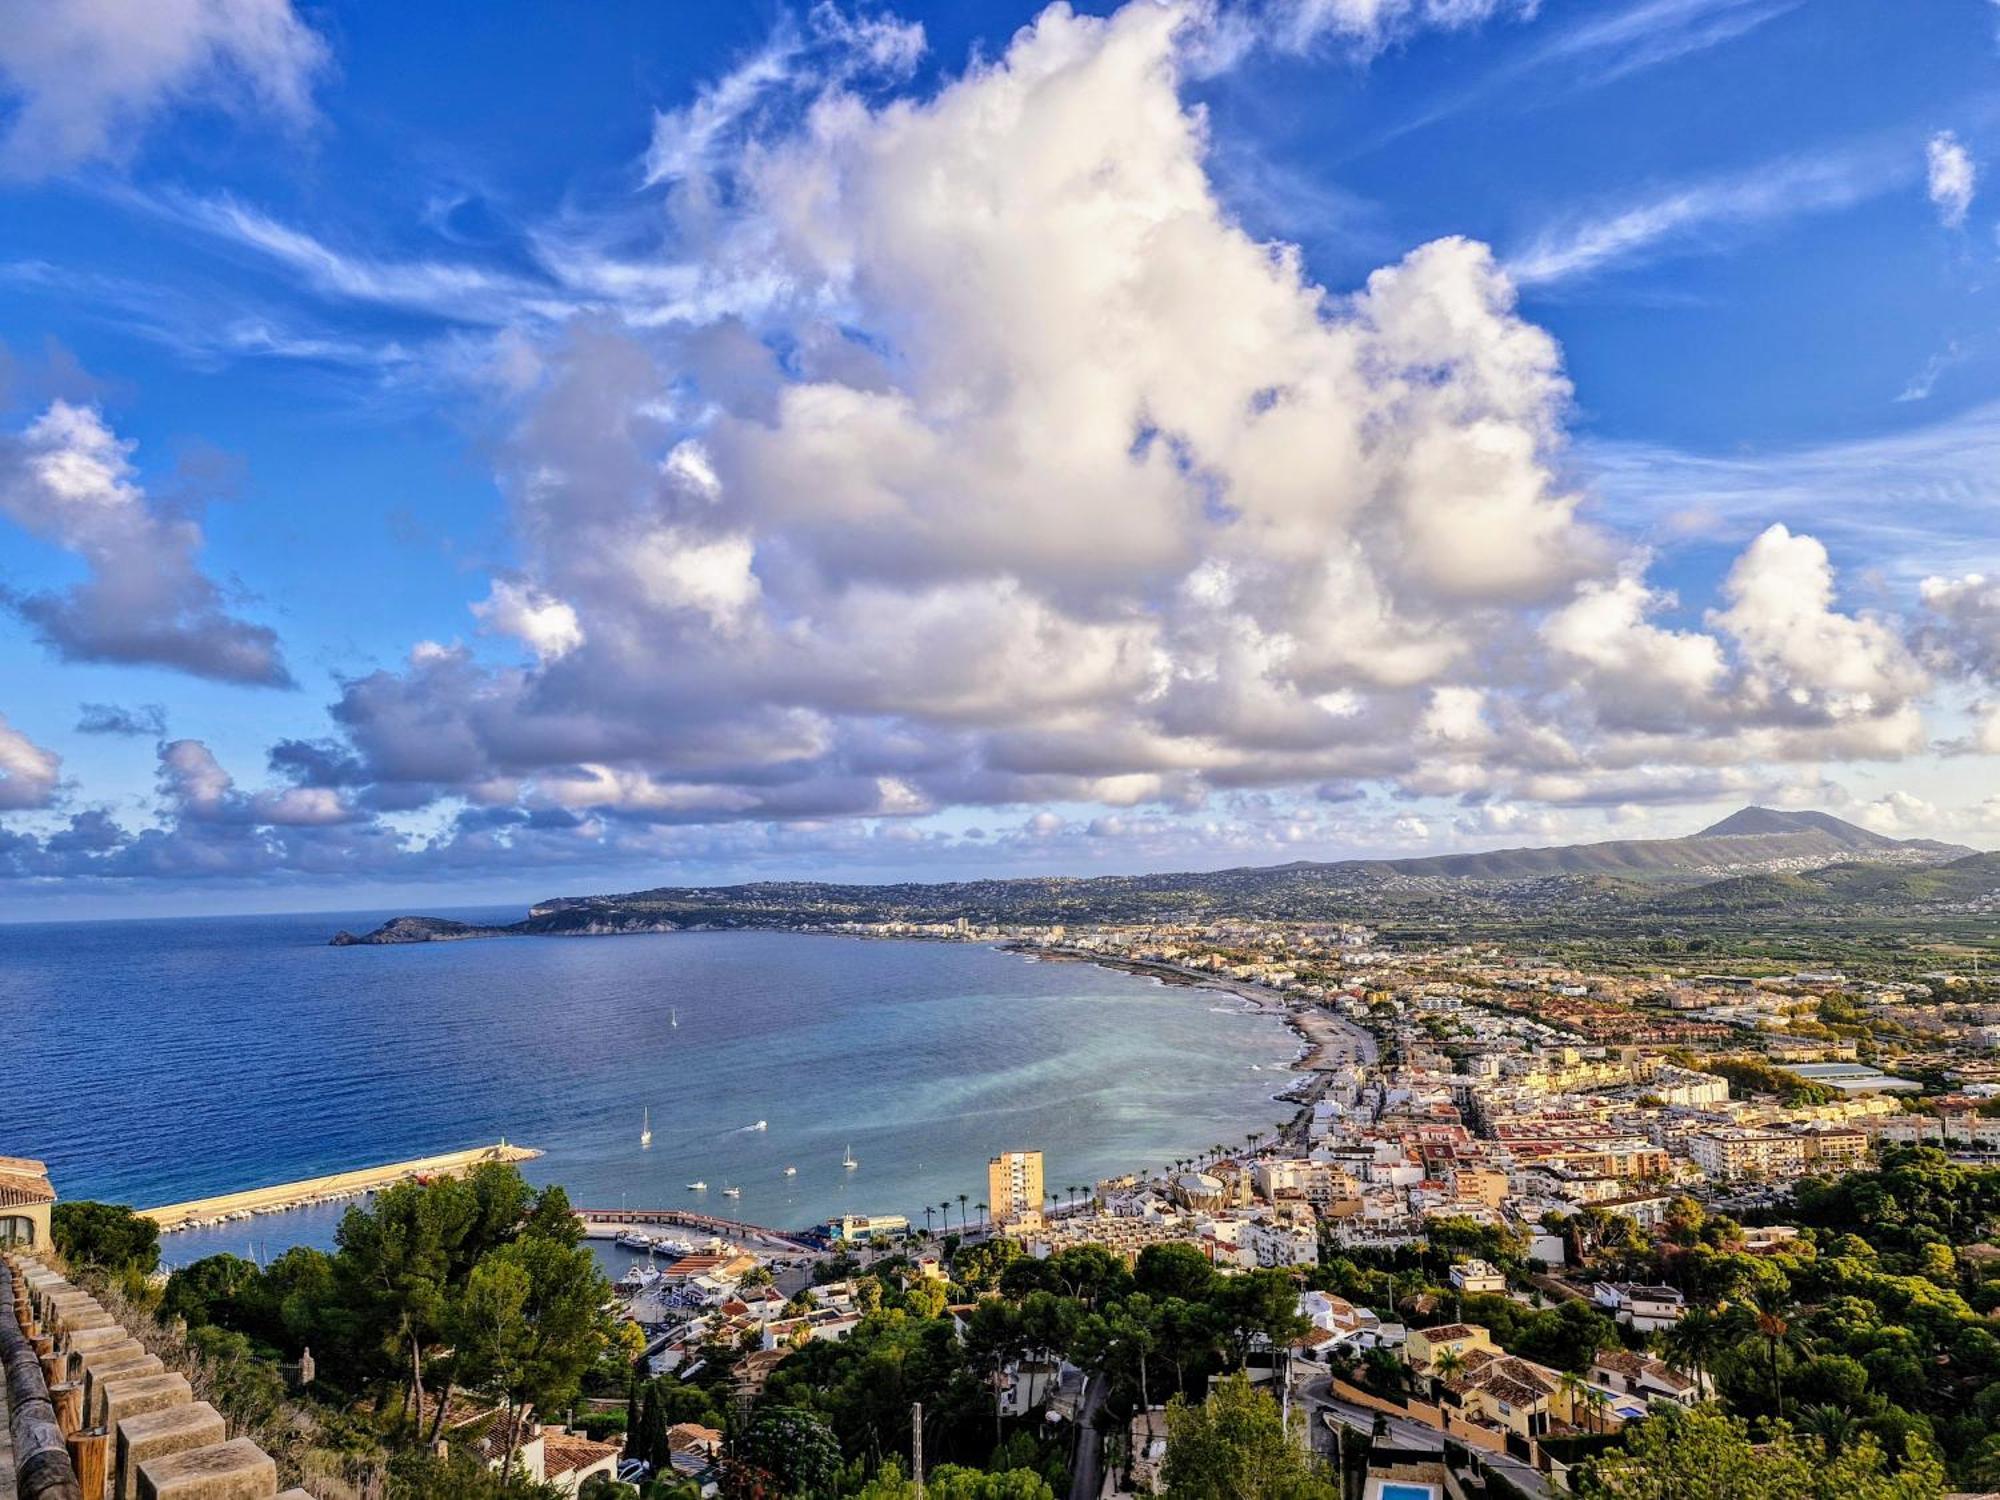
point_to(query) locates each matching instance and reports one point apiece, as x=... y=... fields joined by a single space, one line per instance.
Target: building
x=1478 y=1276
x=853 y=1229
x=1645 y=1308
x=25 y=1202
x=1014 y=1187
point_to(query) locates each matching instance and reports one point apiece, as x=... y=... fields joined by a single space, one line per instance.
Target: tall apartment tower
x=1014 y=1187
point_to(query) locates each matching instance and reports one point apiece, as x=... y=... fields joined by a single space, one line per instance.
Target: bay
x=155 y=1061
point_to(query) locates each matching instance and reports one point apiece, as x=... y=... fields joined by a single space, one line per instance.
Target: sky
x=462 y=455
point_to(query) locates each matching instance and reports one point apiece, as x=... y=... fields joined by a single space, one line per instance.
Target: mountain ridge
x=1793 y=849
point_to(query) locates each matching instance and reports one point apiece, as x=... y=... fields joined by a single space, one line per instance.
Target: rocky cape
x=1756 y=859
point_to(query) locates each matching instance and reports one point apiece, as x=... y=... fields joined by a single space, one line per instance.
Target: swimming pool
x=1395 y=1490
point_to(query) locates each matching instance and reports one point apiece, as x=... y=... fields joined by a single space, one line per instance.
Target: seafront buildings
x=1014 y=1187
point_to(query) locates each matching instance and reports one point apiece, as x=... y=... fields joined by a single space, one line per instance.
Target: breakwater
x=329 y=1189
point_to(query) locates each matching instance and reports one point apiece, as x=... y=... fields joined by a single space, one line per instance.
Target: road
x=1087 y=1473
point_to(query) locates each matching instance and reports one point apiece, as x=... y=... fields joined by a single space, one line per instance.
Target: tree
x=1175 y=1269
x=213 y=1289
x=108 y=1235
x=1703 y=1455
x=1234 y=1446
x=1693 y=1341
x=950 y=1482
x=796 y=1448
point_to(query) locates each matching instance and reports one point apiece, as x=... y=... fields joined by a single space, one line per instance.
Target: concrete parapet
x=159 y=1434
x=236 y=1470
x=122 y=1396
x=88 y=1340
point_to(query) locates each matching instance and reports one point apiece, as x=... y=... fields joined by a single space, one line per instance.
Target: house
x=1641 y=1375
x=1646 y=1309
x=1424 y=1346
x=1478 y=1276
x=1147 y=1447
x=570 y=1459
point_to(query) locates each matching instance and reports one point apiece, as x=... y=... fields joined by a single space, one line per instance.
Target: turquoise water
x=174 y=1060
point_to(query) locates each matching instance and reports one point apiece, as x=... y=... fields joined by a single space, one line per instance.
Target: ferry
x=697 y=1186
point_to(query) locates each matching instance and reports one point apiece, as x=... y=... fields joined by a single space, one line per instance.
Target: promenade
x=329 y=1189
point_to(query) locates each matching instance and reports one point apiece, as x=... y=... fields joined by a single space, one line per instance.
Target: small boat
x=676 y=1015
x=848 y=1160
x=697 y=1187
x=631 y=1239
x=791 y=1171
x=646 y=1127
x=761 y=1125
x=732 y=1192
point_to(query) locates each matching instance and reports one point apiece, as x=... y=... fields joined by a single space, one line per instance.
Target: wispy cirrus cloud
x=1688 y=217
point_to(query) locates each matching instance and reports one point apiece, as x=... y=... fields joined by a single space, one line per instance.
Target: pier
x=603 y=1223
x=330 y=1189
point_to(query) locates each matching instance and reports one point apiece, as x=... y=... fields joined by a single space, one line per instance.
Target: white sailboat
x=676 y=1017
x=848 y=1160
x=646 y=1127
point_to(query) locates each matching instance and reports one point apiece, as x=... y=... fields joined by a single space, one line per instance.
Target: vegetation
x=107 y=1236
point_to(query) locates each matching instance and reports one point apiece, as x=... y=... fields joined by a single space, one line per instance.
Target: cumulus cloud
x=1950 y=178
x=29 y=774
x=84 y=77
x=69 y=479
x=1028 y=479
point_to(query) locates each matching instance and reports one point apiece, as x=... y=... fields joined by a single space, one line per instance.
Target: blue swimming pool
x=1396 y=1491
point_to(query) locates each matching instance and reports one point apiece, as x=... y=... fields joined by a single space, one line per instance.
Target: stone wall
x=128 y=1428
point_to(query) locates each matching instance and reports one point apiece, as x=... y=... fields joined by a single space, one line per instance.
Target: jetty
x=329 y=1189
x=604 y=1223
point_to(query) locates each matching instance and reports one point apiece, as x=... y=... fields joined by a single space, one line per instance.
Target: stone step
x=158 y=1434
x=236 y=1470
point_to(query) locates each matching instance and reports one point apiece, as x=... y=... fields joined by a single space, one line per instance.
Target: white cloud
x=69 y=479
x=1950 y=177
x=543 y=623
x=29 y=774
x=1685 y=217
x=87 y=76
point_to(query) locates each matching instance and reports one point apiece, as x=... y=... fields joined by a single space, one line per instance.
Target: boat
x=646 y=1127
x=791 y=1171
x=676 y=1015
x=697 y=1186
x=848 y=1160
x=761 y=1125
x=631 y=1239
x=732 y=1192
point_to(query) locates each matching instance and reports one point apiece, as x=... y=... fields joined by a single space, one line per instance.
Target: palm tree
x=1447 y=1367
x=1771 y=1312
x=961 y=1213
x=1834 y=1426
x=982 y=1213
x=945 y=1209
x=1692 y=1342
x=1572 y=1386
x=927 y=1218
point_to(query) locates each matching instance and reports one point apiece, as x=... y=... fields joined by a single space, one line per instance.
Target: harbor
x=329 y=1189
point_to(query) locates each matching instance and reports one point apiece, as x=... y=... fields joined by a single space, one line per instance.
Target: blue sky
x=470 y=454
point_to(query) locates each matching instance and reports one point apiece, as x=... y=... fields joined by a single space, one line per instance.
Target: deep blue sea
x=150 y=1062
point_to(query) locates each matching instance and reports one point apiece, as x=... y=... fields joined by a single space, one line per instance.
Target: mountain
x=1755 y=859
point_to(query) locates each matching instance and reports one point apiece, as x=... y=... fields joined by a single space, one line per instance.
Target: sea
x=150 y=1062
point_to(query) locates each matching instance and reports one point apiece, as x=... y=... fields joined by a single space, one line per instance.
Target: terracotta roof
x=19 y=1187
x=568 y=1452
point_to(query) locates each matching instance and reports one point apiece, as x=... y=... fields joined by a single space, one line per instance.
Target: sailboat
x=676 y=1017
x=646 y=1127
x=848 y=1160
